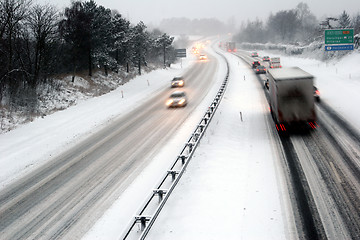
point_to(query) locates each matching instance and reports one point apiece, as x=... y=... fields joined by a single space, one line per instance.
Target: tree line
x=38 y=42
x=296 y=26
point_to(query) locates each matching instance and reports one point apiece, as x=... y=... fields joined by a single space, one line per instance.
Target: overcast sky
x=153 y=11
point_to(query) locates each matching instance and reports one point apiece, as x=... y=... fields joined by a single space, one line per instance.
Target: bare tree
x=13 y=14
x=284 y=25
x=42 y=23
x=307 y=22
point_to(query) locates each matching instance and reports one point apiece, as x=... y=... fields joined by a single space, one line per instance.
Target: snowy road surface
x=232 y=188
x=67 y=195
x=239 y=183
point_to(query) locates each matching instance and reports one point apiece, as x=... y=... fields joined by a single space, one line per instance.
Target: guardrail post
x=202 y=127
x=142 y=220
x=196 y=136
x=208 y=113
x=160 y=193
x=183 y=158
x=190 y=145
x=173 y=174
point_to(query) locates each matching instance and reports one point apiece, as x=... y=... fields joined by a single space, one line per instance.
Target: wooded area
x=38 y=42
x=294 y=26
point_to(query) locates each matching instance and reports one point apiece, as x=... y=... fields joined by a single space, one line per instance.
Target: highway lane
x=329 y=159
x=65 y=197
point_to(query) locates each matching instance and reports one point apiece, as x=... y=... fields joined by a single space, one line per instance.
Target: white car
x=177 y=82
x=203 y=57
x=177 y=99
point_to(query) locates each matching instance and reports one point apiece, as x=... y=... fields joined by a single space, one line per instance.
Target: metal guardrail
x=158 y=197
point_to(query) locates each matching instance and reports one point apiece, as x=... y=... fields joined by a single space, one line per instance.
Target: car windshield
x=177 y=95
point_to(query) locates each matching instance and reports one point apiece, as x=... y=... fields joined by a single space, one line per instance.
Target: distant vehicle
x=203 y=57
x=177 y=82
x=316 y=94
x=266 y=58
x=260 y=69
x=291 y=93
x=177 y=99
x=275 y=63
x=230 y=46
x=254 y=54
x=255 y=64
x=195 y=50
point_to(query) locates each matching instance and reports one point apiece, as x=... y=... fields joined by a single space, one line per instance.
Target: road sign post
x=180 y=53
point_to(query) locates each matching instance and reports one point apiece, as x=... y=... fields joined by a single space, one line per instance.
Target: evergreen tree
x=121 y=40
x=344 y=20
x=75 y=30
x=140 y=41
x=101 y=38
x=163 y=43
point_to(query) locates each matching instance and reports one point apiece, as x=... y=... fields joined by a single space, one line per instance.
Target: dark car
x=254 y=54
x=266 y=58
x=316 y=94
x=177 y=99
x=255 y=64
x=177 y=82
x=260 y=69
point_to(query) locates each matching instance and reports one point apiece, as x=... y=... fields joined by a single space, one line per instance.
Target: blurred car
x=254 y=54
x=177 y=82
x=316 y=94
x=266 y=58
x=203 y=57
x=260 y=69
x=255 y=64
x=177 y=99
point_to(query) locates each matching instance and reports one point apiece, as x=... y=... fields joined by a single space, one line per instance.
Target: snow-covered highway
x=85 y=171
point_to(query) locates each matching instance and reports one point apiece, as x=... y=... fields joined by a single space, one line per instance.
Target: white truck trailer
x=274 y=62
x=291 y=94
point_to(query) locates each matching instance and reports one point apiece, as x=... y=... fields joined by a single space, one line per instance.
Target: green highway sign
x=339 y=36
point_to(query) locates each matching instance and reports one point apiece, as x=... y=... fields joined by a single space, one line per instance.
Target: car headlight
x=182 y=101
x=181 y=83
x=169 y=102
